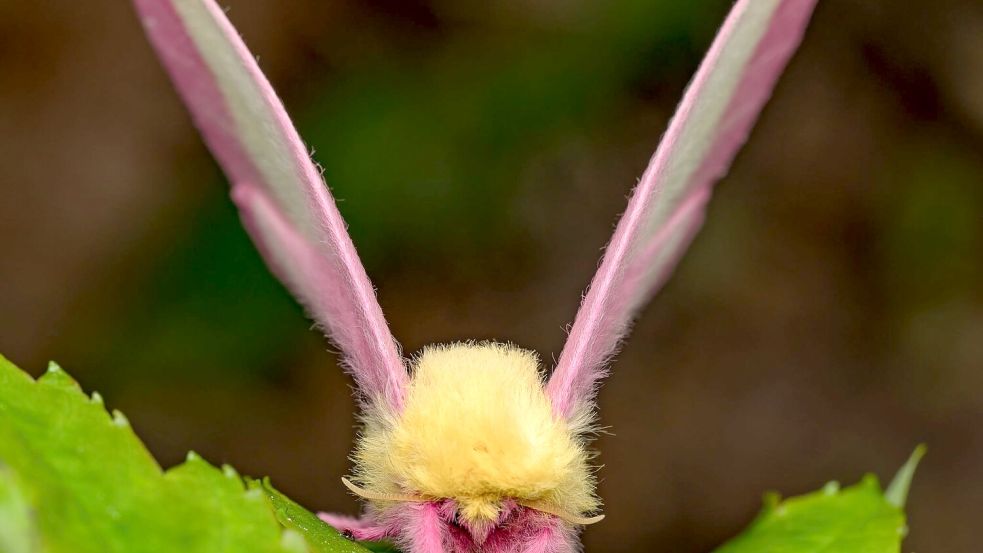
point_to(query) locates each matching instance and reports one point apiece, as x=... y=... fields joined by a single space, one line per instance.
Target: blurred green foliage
x=427 y=153
x=208 y=298
x=931 y=229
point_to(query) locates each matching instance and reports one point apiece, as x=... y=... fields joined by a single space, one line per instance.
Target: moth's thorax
x=476 y=427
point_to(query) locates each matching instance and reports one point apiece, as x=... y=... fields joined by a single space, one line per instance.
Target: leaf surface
x=74 y=478
x=858 y=519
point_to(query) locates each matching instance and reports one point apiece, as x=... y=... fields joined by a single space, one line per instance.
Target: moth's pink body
x=434 y=528
x=292 y=217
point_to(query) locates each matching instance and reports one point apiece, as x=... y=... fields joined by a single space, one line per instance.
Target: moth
x=466 y=447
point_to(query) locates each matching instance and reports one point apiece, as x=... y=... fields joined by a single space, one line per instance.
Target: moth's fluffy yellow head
x=478 y=428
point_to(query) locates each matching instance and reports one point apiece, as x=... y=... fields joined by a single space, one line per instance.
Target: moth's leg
x=361 y=529
x=425 y=531
x=553 y=537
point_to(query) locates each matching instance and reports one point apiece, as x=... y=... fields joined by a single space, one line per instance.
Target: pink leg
x=425 y=531
x=556 y=537
x=361 y=529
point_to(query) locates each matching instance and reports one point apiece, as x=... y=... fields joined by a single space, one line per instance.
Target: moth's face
x=477 y=432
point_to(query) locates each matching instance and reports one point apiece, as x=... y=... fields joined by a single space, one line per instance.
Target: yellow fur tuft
x=477 y=428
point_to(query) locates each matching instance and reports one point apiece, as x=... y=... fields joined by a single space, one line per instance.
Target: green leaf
x=380 y=546
x=858 y=519
x=75 y=479
x=897 y=492
x=321 y=537
x=17 y=533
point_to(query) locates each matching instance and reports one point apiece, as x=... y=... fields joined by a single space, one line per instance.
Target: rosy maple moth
x=466 y=447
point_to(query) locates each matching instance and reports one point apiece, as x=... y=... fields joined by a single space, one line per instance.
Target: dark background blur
x=828 y=318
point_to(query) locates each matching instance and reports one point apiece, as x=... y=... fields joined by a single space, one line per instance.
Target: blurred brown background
x=828 y=318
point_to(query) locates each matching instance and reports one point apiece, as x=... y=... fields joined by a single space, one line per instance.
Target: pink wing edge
x=614 y=295
x=352 y=315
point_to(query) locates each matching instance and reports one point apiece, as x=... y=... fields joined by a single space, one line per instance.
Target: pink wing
x=666 y=209
x=283 y=200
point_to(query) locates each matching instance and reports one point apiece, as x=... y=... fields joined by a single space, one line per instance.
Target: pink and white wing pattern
x=284 y=203
x=666 y=209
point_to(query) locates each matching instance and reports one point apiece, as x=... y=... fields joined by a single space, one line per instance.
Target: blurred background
x=828 y=318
